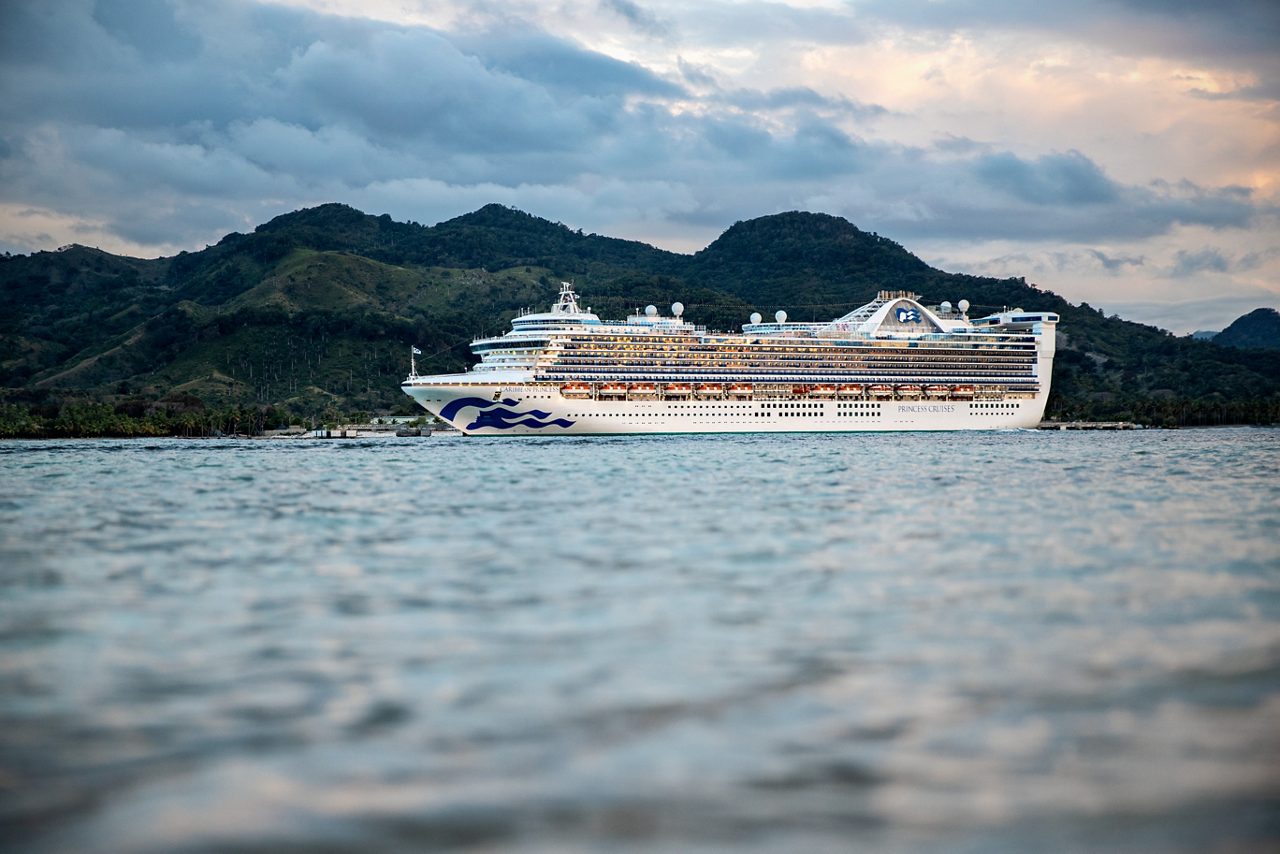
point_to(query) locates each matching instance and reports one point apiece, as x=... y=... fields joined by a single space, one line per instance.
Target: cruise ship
x=893 y=364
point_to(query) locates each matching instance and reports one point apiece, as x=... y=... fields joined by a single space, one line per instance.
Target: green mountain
x=1259 y=329
x=311 y=316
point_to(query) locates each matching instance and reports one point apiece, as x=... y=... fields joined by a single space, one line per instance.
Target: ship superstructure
x=892 y=364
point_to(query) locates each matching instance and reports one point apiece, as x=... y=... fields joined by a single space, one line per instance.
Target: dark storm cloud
x=269 y=102
x=1193 y=263
x=1052 y=205
x=419 y=86
x=1060 y=196
x=553 y=62
x=695 y=74
x=1242 y=36
x=953 y=144
x=799 y=97
x=1054 y=179
x=1201 y=261
x=1268 y=91
x=148 y=26
x=1051 y=263
x=640 y=18
x=247 y=110
x=816 y=150
x=1114 y=264
x=1232 y=32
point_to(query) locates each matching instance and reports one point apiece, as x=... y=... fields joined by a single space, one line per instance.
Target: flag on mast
x=416 y=351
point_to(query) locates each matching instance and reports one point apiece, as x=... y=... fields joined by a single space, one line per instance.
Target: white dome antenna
x=650 y=311
x=756 y=317
x=780 y=316
x=963 y=305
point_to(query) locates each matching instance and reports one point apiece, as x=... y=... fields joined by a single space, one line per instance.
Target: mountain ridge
x=314 y=309
x=1259 y=329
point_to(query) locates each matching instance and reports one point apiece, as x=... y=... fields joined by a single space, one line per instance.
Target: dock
x=1087 y=425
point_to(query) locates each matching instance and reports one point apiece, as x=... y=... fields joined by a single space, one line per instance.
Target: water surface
x=973 y=641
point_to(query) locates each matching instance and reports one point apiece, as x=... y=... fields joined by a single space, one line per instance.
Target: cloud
x=1254 y=260
x=952 y=144
x=1269 y=91
x=418 y=86
x=555 y=63
x=760 y=22
x=1192 y=263
x=1054 y=179
x=1048 y=263
x=1117 y=263
x=278 y=104
x=1183 y=317
x=1061 y=197
x=148 y=26
x=246 y=110
x=799 y=97
x=695 y=74
x=637 y=16
x=1232 y=32
x=1201 y=261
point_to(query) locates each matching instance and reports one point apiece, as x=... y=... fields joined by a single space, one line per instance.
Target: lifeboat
x=576 y=390
x=741 y=390
x=706 y=390
x=939 y=391
x=965 y=391
x=849 y=391
x=613 y=390
x=643 y=390
x=822 y=391
x=677 y=390
x=880 y=390
x=800 y=391
x=908 y=391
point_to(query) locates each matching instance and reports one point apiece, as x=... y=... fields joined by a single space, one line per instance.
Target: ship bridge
x=565 y=313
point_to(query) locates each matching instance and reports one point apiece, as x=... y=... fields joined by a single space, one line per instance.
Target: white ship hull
x=892 y=364
x=541 y=410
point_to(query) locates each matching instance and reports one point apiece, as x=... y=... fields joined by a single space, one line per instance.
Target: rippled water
x=999 y=641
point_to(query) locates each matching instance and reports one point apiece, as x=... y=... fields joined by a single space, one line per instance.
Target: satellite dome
x=963 y=305
x=946 y=307
x=677 y=309
x=781 y=316
x=650 y=311
x=755 y=317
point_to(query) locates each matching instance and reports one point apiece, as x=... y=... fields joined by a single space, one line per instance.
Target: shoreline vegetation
x=190 y=418
x=308 y=320
x=136 y=419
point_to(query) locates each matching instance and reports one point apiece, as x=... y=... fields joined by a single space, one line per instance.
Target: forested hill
x=311 y=315
x=1259 y=329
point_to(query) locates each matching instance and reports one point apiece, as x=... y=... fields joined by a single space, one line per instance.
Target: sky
x=1120 y=152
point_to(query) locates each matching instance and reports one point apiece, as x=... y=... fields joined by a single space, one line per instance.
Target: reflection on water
x=896 y=642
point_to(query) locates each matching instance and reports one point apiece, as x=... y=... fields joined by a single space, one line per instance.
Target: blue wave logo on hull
x=494 y=414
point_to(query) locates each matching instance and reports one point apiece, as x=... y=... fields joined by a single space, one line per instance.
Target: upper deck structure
x=892 y=364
